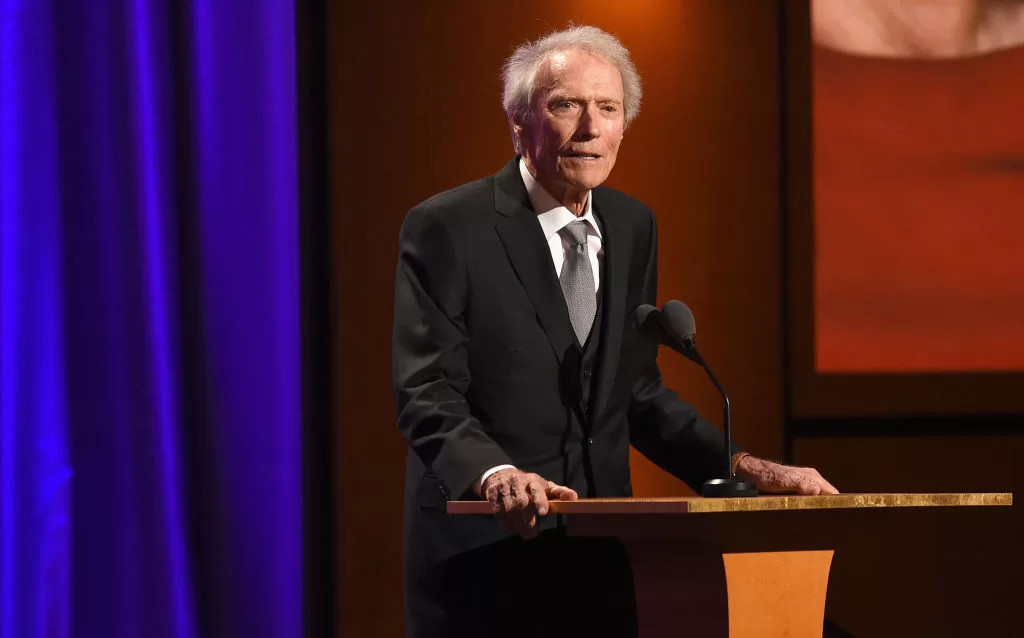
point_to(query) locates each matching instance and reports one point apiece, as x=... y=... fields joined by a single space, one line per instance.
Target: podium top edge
x=765 y=503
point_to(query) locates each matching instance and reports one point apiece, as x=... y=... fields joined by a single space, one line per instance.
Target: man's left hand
x=771 y=477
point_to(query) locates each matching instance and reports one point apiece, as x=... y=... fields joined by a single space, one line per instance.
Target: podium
x=742 y=567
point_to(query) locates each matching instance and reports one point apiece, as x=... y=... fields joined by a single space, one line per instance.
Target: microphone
x=651 y=324
x=675 y=327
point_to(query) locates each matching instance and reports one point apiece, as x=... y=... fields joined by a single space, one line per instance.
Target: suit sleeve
x=429 y=358
x=664 y=428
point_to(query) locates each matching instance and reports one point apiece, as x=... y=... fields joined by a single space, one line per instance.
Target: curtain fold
x=34 y=464
x=150 y=451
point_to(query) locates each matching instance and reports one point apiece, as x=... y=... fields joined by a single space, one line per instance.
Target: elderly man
x=520 y=378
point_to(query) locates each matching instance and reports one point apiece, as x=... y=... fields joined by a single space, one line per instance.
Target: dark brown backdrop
x=959 y=577
x=414 y=108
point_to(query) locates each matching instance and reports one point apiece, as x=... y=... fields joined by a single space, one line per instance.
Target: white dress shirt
x=553 y=217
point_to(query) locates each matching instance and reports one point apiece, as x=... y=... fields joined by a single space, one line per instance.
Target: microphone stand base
x=728 y=488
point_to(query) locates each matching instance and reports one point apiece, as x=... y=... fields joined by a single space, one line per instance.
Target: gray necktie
x=577 y=279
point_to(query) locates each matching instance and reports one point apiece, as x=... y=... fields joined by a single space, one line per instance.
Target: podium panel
x=738 y=568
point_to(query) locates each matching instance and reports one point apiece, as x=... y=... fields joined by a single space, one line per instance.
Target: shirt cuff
x=483 y=477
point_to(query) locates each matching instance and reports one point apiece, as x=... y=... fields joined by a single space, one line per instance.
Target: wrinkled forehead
x=577 y=71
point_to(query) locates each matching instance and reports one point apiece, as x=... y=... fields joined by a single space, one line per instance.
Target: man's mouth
x=584 y=156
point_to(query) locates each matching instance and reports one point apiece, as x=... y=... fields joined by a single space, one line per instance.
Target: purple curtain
x=150 y=435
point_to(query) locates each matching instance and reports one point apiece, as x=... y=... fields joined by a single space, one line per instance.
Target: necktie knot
x=578 y=231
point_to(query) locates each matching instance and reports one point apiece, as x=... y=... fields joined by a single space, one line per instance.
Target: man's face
x=572 y=134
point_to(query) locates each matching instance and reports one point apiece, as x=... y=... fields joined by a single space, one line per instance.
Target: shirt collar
x=553 y=216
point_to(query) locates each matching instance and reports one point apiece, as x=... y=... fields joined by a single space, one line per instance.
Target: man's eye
x=610 y=108
x=563 y=106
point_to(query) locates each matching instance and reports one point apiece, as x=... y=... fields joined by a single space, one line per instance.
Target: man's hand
x=776 y=478
x=518 y=498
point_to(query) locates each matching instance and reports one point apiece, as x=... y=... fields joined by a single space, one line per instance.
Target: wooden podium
x=741 y=567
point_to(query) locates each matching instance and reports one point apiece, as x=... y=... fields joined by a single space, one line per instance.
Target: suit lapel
x=616 y=238
x=524 y=243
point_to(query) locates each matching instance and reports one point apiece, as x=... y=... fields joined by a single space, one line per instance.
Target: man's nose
x=588 y=127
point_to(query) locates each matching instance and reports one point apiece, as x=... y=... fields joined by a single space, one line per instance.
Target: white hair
x=523 y=66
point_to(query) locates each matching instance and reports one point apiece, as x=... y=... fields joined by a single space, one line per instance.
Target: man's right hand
x=518 y=498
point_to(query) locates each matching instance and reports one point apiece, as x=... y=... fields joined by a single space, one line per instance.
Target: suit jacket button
x=587 y=372
x=588 y=442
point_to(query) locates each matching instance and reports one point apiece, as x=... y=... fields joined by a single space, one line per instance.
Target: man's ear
x=518 y=129
x=519 y=134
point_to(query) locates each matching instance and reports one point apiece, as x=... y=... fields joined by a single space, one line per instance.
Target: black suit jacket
x=482 y=341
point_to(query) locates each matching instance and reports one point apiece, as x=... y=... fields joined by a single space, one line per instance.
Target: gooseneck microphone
x=675 y=327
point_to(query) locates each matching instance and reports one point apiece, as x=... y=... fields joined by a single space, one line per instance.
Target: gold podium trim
x=765 y=503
